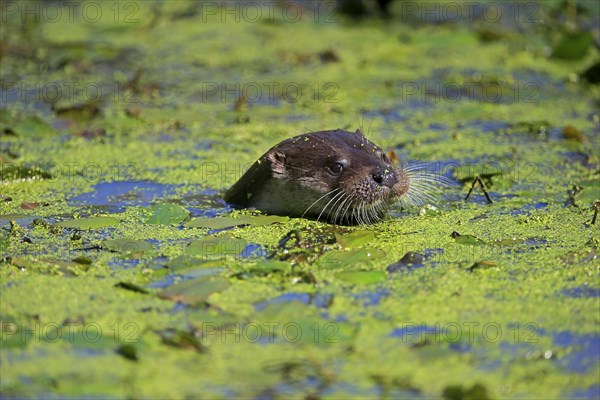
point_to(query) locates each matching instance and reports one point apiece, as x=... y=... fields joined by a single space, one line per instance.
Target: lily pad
x=468 y=240
x=467 y=173
x=185 y=261
x=180 y=339
x=208 y=268
x=132 y=287
x=195 y=291
x=409 y=261
x=483 y=264
x=455 y=392
x=50 y=266
x=91 y=337
x=341 y=259
x=7 y=217
x=573 y=45
x=361 y=277
x=167 y=214
x=14 y=334
x=228 y=222
x=30 y=126
x=263 y=268
x=127 y=246
x=89 y=223
x=82 y=260
x=355 y=238
x=590 y=192
x=128 y=351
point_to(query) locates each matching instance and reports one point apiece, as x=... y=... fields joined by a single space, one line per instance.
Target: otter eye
x=385 y=158
x=336 y=167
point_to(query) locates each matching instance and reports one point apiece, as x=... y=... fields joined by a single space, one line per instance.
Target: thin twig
x=476 y=180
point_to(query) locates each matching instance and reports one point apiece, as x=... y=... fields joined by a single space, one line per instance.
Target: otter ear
x=358 y=132
x=277 y=161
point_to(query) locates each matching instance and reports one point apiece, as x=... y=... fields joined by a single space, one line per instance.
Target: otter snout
x=384 y=177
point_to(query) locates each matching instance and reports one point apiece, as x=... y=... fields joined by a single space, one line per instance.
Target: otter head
x=335 y=175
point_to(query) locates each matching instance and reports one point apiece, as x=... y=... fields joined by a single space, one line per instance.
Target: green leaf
x=195 y=291
x=89 y=223
x=83 y=260
x=345 y=259
x=469 y=240
x=6 y=217
x=267 y=266
x=228 y=222
x=128 y=351
x=132 y=287
x=185 y=262
x=167 y=214
x=180 y=339
x=263 y=268
x=483 y=264
x=355 y=238
x=573 y=45
x=127 y=246
x=14 y=334
x=361 y=277
x=590 y=192
x=92 y=337
x=32 y=126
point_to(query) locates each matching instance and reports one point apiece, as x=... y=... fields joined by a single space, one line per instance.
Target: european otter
x=336 y=175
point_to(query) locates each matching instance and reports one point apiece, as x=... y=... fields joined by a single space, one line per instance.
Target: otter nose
x=385 y=178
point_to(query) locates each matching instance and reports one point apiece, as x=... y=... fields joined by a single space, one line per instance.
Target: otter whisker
x=350 y=204
x=344 y=208
x=375 y=212
x=352 y=216
x=316 y=201
x=363 y=215
x=327 y=205
x=363 y=212
x=341 y=205
x=422 y=185
x=336 y=206
x=421 y=191
x=357 y=208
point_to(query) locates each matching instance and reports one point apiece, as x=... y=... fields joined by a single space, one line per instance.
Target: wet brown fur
x=297 y=177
